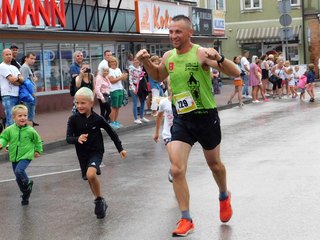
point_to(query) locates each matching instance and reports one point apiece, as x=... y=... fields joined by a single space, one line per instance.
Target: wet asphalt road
x=271 y=151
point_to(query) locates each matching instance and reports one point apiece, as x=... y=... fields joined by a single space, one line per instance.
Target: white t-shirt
x=115 y=73
x=7 y=88
x=166 y=107
x=244 y=62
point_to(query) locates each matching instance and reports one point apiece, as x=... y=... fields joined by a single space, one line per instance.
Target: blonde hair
x=18 y=107
x=85 y=92
x=113 y=59
x=154 y=58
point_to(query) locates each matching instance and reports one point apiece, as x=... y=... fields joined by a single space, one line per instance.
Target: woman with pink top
x=254 y=79
x=102 y=90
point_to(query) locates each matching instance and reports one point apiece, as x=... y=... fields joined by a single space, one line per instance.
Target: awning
x=266 y=34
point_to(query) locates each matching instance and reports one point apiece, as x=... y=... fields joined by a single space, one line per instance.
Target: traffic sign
x=284 y=6
x=285 y=19
x=286 y=33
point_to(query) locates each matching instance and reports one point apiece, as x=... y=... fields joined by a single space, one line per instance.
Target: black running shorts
x=201 y=126
x=90 y=160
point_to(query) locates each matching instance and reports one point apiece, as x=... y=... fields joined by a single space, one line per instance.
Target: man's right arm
x=157 y=72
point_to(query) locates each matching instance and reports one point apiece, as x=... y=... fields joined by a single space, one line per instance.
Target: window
x=216 y=5
x=251 y=4
x=295 y=3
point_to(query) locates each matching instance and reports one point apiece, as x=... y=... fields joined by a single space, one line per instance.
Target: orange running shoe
x=226 y=209
x=184 y=227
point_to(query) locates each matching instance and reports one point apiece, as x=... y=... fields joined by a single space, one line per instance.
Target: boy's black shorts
x=90 y=160
x=201 y=126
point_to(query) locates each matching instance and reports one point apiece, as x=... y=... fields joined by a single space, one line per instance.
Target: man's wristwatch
x=221 y=60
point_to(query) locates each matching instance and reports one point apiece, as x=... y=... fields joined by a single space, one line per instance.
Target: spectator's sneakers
x=225 y=209
x=137 y=121
x=118 y=124
x=184 y=228
x=114 y=125
x=144 y=120
x=101 y=207
x=26 y=195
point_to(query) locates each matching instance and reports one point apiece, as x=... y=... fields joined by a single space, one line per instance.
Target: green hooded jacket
x=23 y=142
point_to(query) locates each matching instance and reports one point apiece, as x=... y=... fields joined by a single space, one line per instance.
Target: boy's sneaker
x=184 y=227
x=26 y=195
x=101 y=207
x=226 y=209
x=170 y=178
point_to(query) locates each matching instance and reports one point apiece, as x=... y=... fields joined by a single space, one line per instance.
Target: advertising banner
x=218 y=23
x=201 y=21
x=155 y=17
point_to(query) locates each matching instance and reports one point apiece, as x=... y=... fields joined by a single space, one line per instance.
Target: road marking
x=42 y=175
x=48 y=174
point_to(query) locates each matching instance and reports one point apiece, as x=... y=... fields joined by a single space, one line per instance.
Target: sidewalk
x=53 y=125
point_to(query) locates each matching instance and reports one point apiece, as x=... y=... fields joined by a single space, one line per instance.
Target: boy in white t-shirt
x=165 y=111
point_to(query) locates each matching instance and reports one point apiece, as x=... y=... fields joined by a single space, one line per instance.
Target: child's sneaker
x=26 y=195
x=170 y=178
x=184 y=227
x=225 y=209
x=101 y=207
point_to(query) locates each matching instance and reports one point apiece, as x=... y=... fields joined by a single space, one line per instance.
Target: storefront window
x=254 y=48
x=66 y=52
x=52 y=67
x=293 y=54
x=96 y=55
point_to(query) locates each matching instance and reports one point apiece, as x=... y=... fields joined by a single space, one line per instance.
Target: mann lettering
x=17 y=11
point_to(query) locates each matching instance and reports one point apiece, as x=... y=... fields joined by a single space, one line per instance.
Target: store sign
x=218 y=23
x=201 y=21
x=155 y=17
x=32 y=13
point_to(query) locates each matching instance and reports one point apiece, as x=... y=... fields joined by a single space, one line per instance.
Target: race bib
x=184 y=102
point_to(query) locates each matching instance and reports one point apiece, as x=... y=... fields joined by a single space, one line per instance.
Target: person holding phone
x=85 y=77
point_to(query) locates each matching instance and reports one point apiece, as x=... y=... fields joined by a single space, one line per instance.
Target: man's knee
x=177 y=171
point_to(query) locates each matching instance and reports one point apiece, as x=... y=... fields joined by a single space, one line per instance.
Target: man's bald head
x=7 y=55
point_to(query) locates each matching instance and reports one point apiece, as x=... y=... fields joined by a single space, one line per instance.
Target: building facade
x=54 y=29
x=254 y=25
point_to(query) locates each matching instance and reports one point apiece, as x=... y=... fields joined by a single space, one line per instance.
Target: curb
x=4 y=156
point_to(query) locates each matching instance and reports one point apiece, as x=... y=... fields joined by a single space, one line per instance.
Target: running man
x=195 y=112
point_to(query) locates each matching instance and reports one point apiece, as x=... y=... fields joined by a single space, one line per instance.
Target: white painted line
x=42 y=175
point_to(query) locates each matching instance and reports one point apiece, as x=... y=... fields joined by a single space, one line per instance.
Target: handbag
x=273 y=79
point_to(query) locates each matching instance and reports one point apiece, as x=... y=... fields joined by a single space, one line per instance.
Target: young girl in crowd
x=291 y=82
x=302 y=85
x=136 y=75
x=238 y=83
x=310 y=81
x=116 y=90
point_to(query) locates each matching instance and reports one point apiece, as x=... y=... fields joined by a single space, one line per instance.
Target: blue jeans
x=31 y=109
x=134 y=105
x=245 y=90
x=21 y=176
x=8 y=102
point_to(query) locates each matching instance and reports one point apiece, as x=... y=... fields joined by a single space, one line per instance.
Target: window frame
x=243 y=8
x=295 y=4
x=216 y=5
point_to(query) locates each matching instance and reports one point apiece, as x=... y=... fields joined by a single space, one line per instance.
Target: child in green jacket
x=24 y=145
